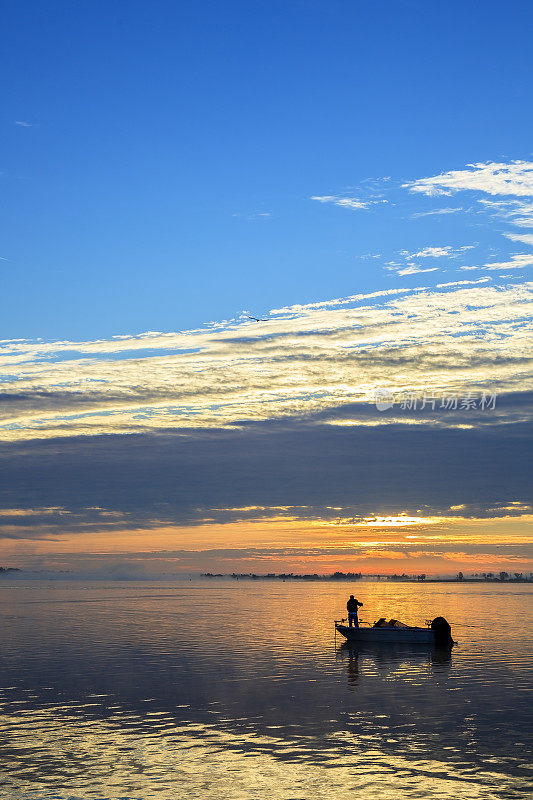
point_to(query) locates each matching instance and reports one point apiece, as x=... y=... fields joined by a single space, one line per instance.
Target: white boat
x=364 y=634
x=437 y=633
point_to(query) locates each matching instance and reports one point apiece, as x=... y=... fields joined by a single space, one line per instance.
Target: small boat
x=437 y=633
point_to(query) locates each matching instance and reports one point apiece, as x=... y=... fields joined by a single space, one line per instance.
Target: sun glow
x=396 y=522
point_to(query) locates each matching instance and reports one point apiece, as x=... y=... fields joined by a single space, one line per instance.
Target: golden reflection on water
x=236 y=690
x=121 y=759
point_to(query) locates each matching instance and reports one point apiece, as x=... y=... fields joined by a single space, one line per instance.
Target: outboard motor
x=442 y=632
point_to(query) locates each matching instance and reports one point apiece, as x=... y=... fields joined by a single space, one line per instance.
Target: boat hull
x=384 y=635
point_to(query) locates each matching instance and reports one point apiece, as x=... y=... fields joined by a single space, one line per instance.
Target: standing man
x=352 y=606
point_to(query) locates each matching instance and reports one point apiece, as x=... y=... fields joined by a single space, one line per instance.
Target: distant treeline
x=286 y=576
x=9 y=569
x=356 y=576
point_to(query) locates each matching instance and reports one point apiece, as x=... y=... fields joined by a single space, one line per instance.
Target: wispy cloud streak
x=344 y=202
x=303 y=359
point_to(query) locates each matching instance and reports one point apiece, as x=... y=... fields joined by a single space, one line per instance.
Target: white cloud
x=254 y=215
x=518 y=261
x=525 y=238
x=438 y=252
x=523 y=215
x=514 y=178
x=413 y=269
x=341 y=301
x=430 y=252
x=462 y=283
x=23 y=124
x=517 y=212
x=437 y=211
x=344 y=202
x=407 y=267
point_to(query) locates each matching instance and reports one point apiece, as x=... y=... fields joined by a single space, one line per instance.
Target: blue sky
x=158 y=136
x=359 y=175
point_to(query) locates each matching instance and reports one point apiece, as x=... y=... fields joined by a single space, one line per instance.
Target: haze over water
x=221 y=689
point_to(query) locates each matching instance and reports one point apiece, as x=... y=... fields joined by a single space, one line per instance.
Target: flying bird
x=256 y=319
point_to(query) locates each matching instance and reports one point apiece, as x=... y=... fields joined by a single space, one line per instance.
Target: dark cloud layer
x=184 y=477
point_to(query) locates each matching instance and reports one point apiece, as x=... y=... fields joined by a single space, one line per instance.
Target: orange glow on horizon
x=389 y=544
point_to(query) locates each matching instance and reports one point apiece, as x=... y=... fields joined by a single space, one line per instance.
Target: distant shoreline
x=15 y=573
x=349 y=576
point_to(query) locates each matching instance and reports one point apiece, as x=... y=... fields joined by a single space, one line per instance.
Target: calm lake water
x=219 y=689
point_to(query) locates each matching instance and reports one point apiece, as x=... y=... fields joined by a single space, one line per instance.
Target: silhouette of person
x=352 y=606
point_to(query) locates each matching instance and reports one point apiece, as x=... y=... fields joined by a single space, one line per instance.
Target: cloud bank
x=301 y=361
x=271 y=427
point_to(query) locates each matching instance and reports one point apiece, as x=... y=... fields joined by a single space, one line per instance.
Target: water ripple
x=114 y=692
